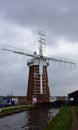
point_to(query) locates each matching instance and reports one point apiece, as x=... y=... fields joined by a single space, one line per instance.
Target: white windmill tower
x=38 y=89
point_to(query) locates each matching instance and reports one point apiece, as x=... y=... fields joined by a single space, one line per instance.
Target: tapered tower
x=38 y=89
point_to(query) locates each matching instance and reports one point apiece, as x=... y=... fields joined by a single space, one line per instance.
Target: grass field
x=62 y=121
x=11 y=110
x=76 y=109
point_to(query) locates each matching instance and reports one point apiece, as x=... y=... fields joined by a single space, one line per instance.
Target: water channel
x=34 y=119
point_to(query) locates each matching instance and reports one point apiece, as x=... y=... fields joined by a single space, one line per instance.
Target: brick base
x=33 y=90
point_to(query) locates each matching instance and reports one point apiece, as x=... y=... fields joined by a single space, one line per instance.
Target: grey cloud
x=13 y=75
x=58 y=18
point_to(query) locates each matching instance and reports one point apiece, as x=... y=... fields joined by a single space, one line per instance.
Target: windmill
x=38 y=89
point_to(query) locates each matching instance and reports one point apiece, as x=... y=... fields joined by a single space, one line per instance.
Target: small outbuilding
x=73 y=98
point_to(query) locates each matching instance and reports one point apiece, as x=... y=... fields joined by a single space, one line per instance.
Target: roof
x=73 y=94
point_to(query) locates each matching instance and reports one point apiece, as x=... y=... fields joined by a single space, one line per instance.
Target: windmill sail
x=19 y=52
x=60 y=60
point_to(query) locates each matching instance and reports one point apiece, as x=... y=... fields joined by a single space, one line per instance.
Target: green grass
x=62 y=121
x=76 y=109
x=12 y=110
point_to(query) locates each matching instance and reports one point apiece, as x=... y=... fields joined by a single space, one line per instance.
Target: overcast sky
x=20 y=22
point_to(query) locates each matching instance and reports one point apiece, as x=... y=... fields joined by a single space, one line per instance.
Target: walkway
x=74 y=118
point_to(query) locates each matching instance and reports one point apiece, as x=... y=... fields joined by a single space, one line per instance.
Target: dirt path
x=74 y=118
